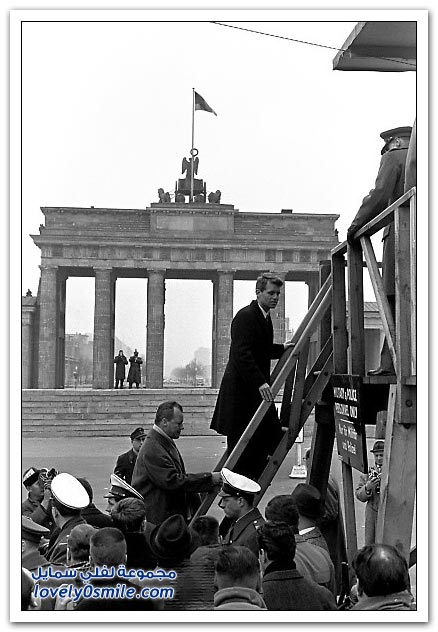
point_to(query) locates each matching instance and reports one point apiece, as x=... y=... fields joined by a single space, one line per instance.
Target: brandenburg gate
x=168 y=240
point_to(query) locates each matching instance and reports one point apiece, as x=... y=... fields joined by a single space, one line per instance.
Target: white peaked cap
x=69 y=491
x=239 y=482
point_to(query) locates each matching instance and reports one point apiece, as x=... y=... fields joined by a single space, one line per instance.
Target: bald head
x=381 y=570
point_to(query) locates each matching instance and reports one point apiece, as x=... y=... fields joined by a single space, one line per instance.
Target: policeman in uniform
x=388 y=188
x=68 y=498
x=120 y=489
x=31 y=535
x=126 y=461
x=236 y=500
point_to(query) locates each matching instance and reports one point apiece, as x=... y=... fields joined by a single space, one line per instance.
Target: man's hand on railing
x=266 y=393
x=350 y=232
x=288 y=344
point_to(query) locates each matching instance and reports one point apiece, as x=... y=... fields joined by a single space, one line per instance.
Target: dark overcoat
x=57 y=552
x=120 y=362
x=134 y=373
x=287 y=589
x=160 y=477
x=125 y=465
x=249 y=366
x=389 y=187
x=96 y=518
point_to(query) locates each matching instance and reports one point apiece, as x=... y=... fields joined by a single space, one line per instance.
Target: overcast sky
x=107 y=120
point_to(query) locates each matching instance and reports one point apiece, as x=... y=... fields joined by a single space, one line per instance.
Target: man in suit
x=368 y=491
x=388 y=188
x=159 y=472
x=236 y=498
x=126 y=461
x=245 y=383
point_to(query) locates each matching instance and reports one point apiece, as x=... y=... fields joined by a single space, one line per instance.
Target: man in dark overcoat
x=159 y=472
x=245 y=383
x=134 y=373
x=388 y=188
x=126 y=461
x=284 y=587
x=120 y=361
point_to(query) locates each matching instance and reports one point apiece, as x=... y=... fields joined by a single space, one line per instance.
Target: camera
x=46 y=476
x=374 y=475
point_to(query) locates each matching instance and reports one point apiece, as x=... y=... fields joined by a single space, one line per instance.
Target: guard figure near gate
x=134 y=375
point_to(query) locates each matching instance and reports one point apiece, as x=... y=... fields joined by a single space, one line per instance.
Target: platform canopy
x=379 y=46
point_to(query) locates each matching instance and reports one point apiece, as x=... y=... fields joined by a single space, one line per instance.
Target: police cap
x=237 y=485
x=121 y=489
x=396 y=132
x=137 y=433
x=32 y=531
x=68 y=491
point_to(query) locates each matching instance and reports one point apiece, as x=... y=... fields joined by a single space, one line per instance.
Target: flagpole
x=192 y=162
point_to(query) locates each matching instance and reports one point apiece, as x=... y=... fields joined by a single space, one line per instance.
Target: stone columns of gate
x=155 y=329
x=104 y=317
x=48 y=327
x=222 y=317
x=313 y=285
x=27 y=342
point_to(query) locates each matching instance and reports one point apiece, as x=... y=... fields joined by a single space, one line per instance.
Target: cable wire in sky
x=291 y=39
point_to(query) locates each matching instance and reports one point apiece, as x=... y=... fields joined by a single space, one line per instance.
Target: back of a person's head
x=87 y=486
x=108 y=546
x=381 y=570
x=277 y=540
x=308 y=501
x=66 y=512
x=79 y=542
x=129 y=514
x=237 y=566
x=282 y=508
x=207 y=528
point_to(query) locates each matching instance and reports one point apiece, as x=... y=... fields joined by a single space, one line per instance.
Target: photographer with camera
x=37 y=505
x=368 y=491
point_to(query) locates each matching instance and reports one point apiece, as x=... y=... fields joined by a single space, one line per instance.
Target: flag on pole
x=201 y=104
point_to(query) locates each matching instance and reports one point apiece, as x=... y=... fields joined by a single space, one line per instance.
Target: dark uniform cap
x=396 y=132
x=379 y=446
x=30 y=476
x=137 y=433
x=68 y=491
x=308 y=500
x=32 y=531
x=121 y=489
x=237 y=485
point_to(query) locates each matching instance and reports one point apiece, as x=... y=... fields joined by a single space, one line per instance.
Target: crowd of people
x=248 y=561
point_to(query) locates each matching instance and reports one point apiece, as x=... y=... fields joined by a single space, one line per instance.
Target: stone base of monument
x=112 y=412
